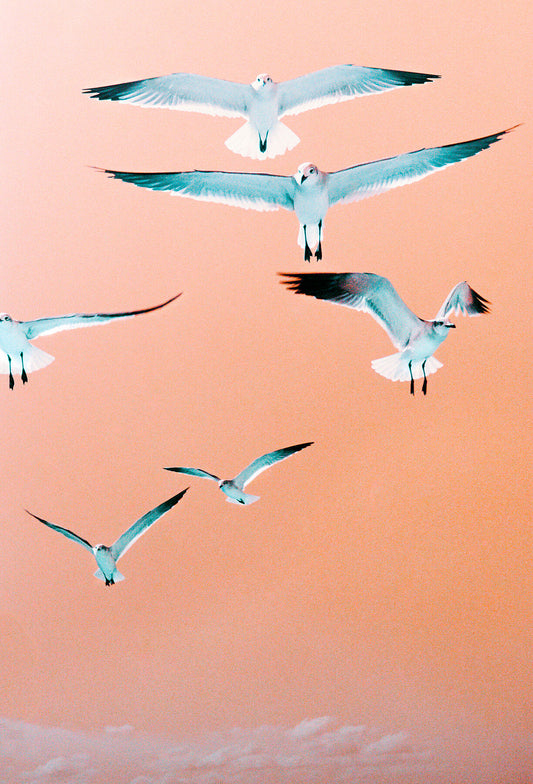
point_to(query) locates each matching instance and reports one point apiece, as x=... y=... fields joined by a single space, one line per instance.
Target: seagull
x=310 y=192
x=234 y=488
x=416 y=338
x=262 y=102
x=18 y=355
x=107 y=557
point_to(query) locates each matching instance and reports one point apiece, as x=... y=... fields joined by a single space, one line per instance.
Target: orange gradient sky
x=368 y=619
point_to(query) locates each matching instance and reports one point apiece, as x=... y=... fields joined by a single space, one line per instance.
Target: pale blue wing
x=369 y=179
x=341 y=83
x=138 y=528
x=363 y=291
x=463 y=299
x=251 y=191
x=188 y=92
x=194 y=472
x=65 y=531
x=46 y=326
x=261 y=463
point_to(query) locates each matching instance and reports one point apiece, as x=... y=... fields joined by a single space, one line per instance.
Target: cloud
x=313 y=751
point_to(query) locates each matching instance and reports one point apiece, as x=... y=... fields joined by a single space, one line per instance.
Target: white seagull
x=416 y=338
x=107 y=557
x=234 y=488
x=310 y=192
x=18 y=355
x=262 y=102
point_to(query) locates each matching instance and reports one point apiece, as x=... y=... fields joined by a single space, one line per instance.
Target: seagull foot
x=318 y=253
x=307 y=253
x=11 y=381
x=24 y=377
x=425 y=387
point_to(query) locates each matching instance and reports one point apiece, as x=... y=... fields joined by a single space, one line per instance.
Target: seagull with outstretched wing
x=18 y=355
x=262 y=103
x=107 y=557
x=234 y=488
x=310 y=192
x=415 y=338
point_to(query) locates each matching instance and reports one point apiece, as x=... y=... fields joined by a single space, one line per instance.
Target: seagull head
x=5 y=317
x=442 y=327
x=100 y=547
x=261 y=80
x=306 y=171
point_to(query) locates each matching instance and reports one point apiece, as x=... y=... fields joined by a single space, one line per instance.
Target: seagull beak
x=451 y=326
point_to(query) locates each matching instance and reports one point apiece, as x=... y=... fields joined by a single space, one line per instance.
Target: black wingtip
x=481 y=304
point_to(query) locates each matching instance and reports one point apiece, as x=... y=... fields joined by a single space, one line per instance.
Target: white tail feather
x=117 y=576
x=245 y=141
x=312 y=235
x=34 y=359
x=396 y=367
x=246 y=499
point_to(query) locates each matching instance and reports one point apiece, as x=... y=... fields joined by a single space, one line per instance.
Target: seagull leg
x=412 y=379
x=425 y=384
x=318 y=251
x=11 y=379
x=307 y=251
x=23 y=375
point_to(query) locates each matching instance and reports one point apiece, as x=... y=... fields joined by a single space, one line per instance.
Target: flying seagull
x=262 y=102
x=107 y=557
x=310 y=192
x=18 y=355
x=416 y=338
x=234 y=488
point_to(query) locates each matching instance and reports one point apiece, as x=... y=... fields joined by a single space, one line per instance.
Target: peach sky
x=368 y=619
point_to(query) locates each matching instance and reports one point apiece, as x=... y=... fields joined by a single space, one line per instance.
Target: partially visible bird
x=107 y=557
x=262 y=102
x=416 y=338
x=18 y=355
x=234 y=488
x=310 y=192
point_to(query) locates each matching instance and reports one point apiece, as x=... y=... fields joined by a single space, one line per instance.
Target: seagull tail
x=245 y=499
x=396 y=367
x=34 y=359
x=245 y=141
x=117 y=576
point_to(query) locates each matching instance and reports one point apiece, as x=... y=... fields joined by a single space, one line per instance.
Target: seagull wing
x=364 y=291
x=138 y=528
x=340 y=83
x=463 y=299
x=65 y=532
x=369 y=179
x=261 y=463
x=46 y=326
x=194 y=472
x=188 y=92
x=251 y=191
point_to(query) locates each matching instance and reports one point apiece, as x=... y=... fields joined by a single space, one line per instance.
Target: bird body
x=18 y=355
x=234 y=488
x=309 y=192
x=107 y=565
x=262 y=102
x=107 y=557
x=416 y=338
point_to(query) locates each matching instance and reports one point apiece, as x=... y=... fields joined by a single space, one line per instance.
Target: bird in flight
x=310 y=192
x=234 y=488
x=18 y=355
x=107 y=557
x=262 y=103
x=416 y=338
